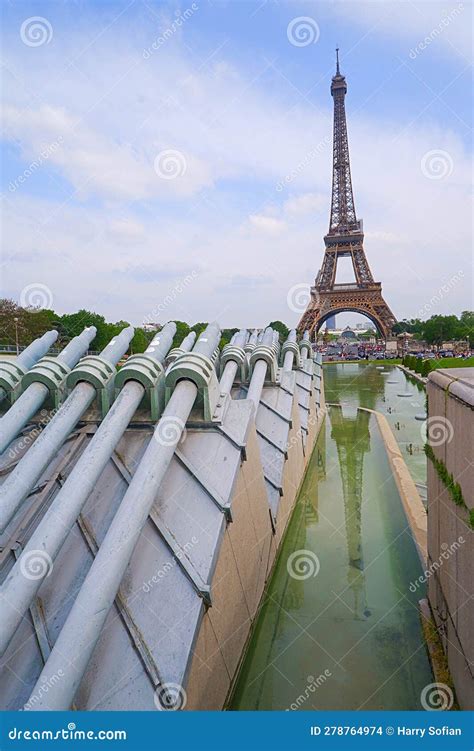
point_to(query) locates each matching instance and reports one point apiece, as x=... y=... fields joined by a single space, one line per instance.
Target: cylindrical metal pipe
x=36 y=350
x=185 y=346
x=33 y=397
x=22 y=478
x=290 y=356
x=17 y=591
x=253 y=338
x=230 y=371
x=259 y=371
x=304 y=350
x=78 y=638
x=188 y=341
x=21 y=412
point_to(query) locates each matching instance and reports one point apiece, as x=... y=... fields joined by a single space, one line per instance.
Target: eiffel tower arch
x=345 y=238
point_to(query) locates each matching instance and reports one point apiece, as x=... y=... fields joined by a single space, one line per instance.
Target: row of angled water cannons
x=182 y=373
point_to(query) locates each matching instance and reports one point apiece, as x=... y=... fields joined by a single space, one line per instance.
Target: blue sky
x=157 y=170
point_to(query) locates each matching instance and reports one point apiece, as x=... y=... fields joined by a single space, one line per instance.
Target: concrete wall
x=451 y=436
x=250 y=545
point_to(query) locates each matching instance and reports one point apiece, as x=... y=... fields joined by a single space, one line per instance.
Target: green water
x=360 y=384
x=341 y=630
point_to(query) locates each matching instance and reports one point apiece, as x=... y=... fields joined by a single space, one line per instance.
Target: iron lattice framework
x=345 y=238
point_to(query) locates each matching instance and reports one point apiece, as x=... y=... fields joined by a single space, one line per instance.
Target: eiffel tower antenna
x=345 y=238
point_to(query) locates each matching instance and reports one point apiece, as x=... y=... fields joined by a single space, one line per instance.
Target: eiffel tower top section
x=344 y=225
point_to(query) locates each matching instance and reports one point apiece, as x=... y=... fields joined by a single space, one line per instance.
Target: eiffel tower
x=344 y=239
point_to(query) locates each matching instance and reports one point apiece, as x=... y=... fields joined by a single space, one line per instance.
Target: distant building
x=348 y=333
x=152 y=326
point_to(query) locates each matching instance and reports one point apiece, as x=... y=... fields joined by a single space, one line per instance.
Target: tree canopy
x=29 y=323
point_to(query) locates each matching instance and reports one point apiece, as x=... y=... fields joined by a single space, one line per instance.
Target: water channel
x=339 y=626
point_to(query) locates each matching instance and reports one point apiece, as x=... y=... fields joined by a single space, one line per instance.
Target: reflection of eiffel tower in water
x=316 y=472
x=352 y=439
x=291 y=596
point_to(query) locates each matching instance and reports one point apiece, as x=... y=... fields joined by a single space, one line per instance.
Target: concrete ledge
x=412 y=503
x=456 y=381
x=416 y=376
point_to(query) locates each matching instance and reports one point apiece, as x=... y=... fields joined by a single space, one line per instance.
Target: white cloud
x=446 y=25
x=240 y=140
x=268 y=224
x=92 y=162
x=307 y=203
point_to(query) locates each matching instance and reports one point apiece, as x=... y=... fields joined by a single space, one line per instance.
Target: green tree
x=227 y=335
x=438 y=329
x=198 y=328
x=73 y=323
x=282 y=329
x=139 y=342
x=466 y=326
x=182 y=330
x=29 y=323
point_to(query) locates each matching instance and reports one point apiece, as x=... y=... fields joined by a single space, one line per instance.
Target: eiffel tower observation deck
x=345 y=238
